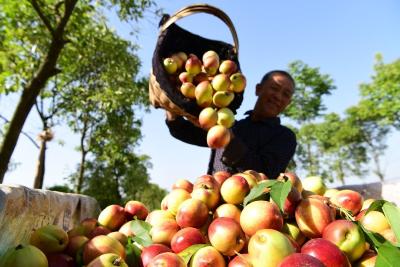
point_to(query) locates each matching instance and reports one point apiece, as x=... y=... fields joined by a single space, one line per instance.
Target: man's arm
x=272 y=159
x=184 y=130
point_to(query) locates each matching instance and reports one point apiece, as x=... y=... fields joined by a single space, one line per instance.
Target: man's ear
x=258 y=89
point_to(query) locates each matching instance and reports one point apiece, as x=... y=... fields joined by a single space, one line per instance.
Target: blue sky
x=339 y=37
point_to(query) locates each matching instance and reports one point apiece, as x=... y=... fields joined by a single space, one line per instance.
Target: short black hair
x=269 y=75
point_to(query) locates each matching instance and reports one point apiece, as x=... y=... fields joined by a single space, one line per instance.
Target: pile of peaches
x=234 y=220
x=211 y=82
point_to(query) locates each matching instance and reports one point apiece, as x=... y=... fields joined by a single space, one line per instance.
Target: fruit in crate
x=220 y=220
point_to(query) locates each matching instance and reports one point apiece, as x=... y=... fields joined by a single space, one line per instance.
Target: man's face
x=274 y=95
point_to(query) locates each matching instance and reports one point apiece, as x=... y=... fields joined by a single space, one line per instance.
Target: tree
x=311 y=86
x=372 y=136
x=47 y=26
x=306 y=107
x=381 y=97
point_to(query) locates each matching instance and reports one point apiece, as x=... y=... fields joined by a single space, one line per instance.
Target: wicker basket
x=172 y=38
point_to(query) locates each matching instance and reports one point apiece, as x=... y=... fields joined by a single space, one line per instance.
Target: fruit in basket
x=185 y=77
x=136 y=209
x=170 y=65
x=207 y=256
x=347 y=236
x=234 y=189
x=180 y=59
x=218 y=136
x=222 y=99
x=193 y=65
x=238 y=82
x=259 y=215
x=188 y=90
x=204 y=94
x=226 y=235
x=185 y=238
x=327 y=252
x=210 y=62
x=225 y=117
x=220 y=82
x=112 y=217
x=22 y=256
x=268 y=247
x=208 y=117
x=312 y=216
x=227 y=67
x=102 y=244
x=49 y=239
x=200 y=77
x=149 y=252
x=108 y=260
x=348 y=199
x=167 y=259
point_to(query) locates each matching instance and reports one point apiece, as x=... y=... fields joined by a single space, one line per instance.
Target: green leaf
x=258 y=191
x=392 y=213
x=376 y=205
x=279 y=193
x=142 y=232
x=187 y=253
x=132 y=255
x=388 y=255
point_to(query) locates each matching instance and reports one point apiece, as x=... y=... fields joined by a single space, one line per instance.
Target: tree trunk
x=79 y=180
x=29 y=94
x=39 y=178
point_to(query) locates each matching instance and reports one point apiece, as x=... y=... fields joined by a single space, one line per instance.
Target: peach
x=112 y=217
x=349 y=200
x=208 y=118
x=185 y=238
x=49 y=239
x=102 y=244
x=226 y=236
x=234 y=189
x=192 y=213
x=228 y=211
x=136 y=209
x=207 y=256
x=260 y=214
x=312 y=216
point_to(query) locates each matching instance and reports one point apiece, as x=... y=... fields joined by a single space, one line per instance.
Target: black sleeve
x=271 y=159
x=184 y=130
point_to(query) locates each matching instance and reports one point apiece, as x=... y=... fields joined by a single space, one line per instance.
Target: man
x=258 y=142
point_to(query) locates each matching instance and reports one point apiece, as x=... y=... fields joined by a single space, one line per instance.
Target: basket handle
x=198 y=8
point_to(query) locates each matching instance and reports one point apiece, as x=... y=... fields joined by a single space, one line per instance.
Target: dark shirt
x=264 y=146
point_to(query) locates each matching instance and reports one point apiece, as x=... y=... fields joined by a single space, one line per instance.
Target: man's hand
x=170 y=116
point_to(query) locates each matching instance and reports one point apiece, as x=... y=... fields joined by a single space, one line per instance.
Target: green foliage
x=311 y=86
x=60 y=188
x=380 y=99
